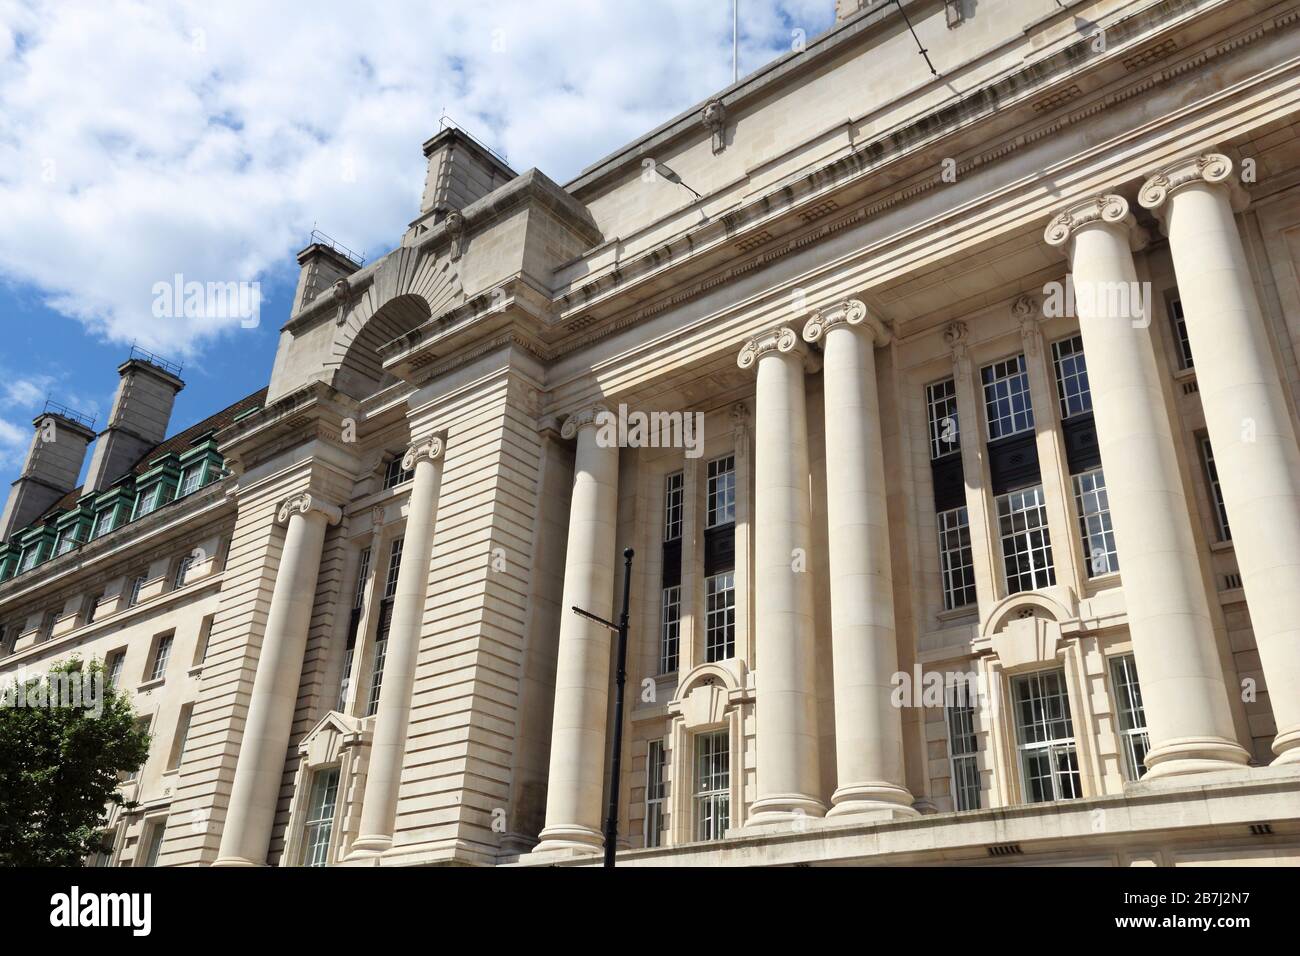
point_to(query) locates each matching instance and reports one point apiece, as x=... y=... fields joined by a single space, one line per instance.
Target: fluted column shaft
x=246 y=836
x=868 y=728
x=1246 y=415
x=788 y=764
x=388 y=746
x=577 y=770
x=1183 y=691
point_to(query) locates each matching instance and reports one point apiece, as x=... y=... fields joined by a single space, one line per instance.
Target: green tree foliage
x=65 y=739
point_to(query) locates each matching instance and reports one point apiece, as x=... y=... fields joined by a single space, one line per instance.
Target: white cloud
x=14 y=441
x=142 y=140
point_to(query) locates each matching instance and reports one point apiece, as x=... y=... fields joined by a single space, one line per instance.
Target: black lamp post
x=620 y=679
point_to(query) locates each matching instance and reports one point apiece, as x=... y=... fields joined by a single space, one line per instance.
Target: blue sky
x=139 y=141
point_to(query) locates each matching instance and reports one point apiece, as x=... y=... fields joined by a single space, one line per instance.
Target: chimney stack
x=141 y=412
x=460 y=172
x=321 y=264
x=52 y=467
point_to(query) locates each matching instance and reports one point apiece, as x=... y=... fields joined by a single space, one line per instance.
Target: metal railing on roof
x=171 y=368
x=58 y=408
x=320 y=237
x=445 y=122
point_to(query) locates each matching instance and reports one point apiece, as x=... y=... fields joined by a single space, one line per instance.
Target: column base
x=370 y=845
x=224 y=861
x=1187 y=755
x=784 y=808
x=1287 y=747
x=570 y=838
x=877 y=801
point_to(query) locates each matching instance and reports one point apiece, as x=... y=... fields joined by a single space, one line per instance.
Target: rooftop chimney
x=141 y=412
x=322 y=264
x=53 y=465
x=461 y=170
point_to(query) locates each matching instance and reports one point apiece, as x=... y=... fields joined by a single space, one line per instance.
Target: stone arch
x=1024 y=604
x=409 y=288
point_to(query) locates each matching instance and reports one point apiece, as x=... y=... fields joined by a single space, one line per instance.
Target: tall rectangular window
x=963 y=746
x=1007 y=405
x=154 y=842
x=941 y=403
x=1071 y=377
x=712 y=785
x=395 y=474
x=673 y=486
x=104 y=522
x=183 y=566
x=721 y=491
x=670 y=629
x=1026 y=544
x=720 y=617
x=50 y=619
x=956 y=565
x=354 y=626
x=1094 y=523
x=1134 y=739
x=148 y=501
x=191 y=480
x=1216 y=491
x=385 y=623
x=113 y=668
x=1180 y=334
x=1045 y=732
x=318 y=829
x=655 y=793
x=133 y=593
x=161 y=652
x=182 y=737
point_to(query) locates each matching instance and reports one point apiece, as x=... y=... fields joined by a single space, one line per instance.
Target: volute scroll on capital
x=592 y=415
x=304 y=503
x=780 y=339
x=1209 y=167
x=1106 y=208
x=431 y=449
x=851 y=313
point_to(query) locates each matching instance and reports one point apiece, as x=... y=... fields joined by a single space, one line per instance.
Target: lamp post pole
x=620 y=680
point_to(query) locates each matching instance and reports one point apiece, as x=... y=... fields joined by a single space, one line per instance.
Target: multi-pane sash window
x=956 y=566
x=114 y=667
x=670 y=629
x=1094 y=523
x=959 y=715
x=655 y=793
x=720 y=617
x=1026 y=544
x=1045 y=736
x=385 y=623
x=133 y=595
x=1216 y=491
x=395 y=474
x=191 y=480
x=92 y=608
x=162 y=651
x=941 y=401
x=319 y=827
x=148 y=501
x=721 y=491
x=354 y=625
x=673 y=487
x=1007 y=405
x=1180 y=334
x=712 y=785
x=104 y=522
x=154 y=847
x=47 y=625
x=1071 y=377
x=182 y=569
x=67 y=540
x=29 y=558
x=1134 y=739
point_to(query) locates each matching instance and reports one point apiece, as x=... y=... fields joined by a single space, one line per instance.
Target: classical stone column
x=786 y=666
x=1246 y=414
x=1183 y=690
x=868 y=728
x=582 y=678
x=379 y=806
x=246 y=836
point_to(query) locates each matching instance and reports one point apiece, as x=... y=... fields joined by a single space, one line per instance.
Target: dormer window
x=192 y=479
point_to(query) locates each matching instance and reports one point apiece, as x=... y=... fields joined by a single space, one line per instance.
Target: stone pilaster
x=868 y=728
x=1183 y=690
x=1246 y=413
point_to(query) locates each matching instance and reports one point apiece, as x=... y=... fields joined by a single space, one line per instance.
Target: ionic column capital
x=780 y=340
x=1210 y=168
x=851 y=313
x=591 y=416
x=304 y=503
x=1107 y=209
x=431 y=449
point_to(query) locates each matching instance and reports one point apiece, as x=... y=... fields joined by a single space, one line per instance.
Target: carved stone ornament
x=1107 y=208
x=714 y=118
x=304 y=503
x=455 y=226
x=342 y=295
x=432 y=449
x=850 y=312
x=779 y=339
x=1212 y=168
x=591 y=415
x=1028 y=310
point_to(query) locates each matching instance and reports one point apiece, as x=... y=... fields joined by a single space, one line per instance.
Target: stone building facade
x=967 y=523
